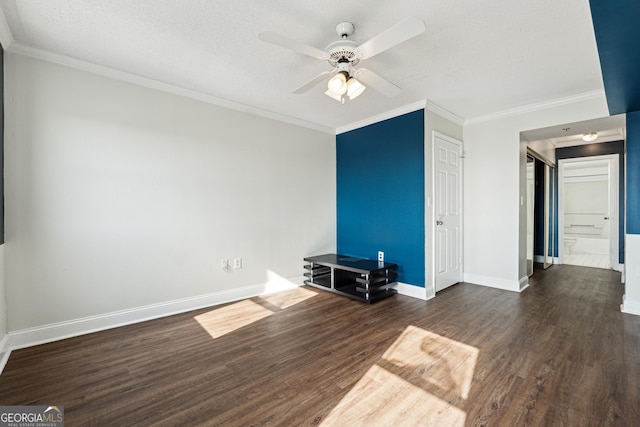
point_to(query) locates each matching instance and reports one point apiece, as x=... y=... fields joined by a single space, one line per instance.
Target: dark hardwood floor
x=559 y=354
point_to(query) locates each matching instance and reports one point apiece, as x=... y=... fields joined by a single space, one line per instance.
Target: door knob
x=439 y=222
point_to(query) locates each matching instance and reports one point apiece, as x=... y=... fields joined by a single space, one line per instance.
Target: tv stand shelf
x=357 y=278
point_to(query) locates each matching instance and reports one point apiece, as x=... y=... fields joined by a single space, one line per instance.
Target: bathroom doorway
x=587 y=211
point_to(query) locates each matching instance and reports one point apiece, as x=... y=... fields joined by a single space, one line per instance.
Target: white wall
x=631 y=298
x=119 y=196
x=495 y=180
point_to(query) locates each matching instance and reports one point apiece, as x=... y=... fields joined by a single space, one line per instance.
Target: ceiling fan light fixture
x=335 y=96
x=354 y=88
x=590 y=136
x=338 y=84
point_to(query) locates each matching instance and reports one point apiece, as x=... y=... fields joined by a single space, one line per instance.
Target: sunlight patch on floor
x=221 y=321
x=287 y=299
x=421 y=380
x=429 y=359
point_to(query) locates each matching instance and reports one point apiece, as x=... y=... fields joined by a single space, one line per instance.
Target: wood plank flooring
x=559 y=354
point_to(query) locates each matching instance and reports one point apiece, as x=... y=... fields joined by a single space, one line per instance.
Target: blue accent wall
x=617 y=29
x=633 y=173
x=381 y=194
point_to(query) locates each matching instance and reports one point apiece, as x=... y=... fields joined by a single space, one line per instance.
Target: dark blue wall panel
x=617 y=30
x=633 y=173
x=380 y=194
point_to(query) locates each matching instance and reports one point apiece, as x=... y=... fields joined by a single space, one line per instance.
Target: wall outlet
x=237 y=263
x=380 y=256
x=224 y=264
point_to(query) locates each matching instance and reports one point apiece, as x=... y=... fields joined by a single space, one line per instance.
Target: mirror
x=531 y=192
x=549 y=229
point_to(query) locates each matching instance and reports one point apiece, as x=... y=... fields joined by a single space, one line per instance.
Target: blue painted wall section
x=633 y=173
x=617 y=29
x=381 y=195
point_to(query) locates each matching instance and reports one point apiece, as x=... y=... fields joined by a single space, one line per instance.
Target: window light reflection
x=422 y=379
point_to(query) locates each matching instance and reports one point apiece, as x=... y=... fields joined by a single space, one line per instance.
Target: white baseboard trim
x=5 y=352
x=630 y=307
x=524 y=283
x=412 y=291
x=71 y=328
x=493 y=282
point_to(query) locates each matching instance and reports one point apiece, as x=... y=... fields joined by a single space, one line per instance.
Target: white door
x=447 y=212
x=588 y=209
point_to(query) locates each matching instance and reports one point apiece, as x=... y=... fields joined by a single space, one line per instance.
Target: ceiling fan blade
x=314 y=81
x=399 y=33
x=283 y=41
x=374 y=81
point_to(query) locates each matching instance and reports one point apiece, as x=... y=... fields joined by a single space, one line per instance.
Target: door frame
x=432 y=207
x=614 y=205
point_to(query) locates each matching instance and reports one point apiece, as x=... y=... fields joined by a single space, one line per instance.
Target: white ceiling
x=609 y=129
x=476 y=58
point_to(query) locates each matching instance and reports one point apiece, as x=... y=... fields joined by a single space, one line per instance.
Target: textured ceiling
x=475 y=58
x=612 y=128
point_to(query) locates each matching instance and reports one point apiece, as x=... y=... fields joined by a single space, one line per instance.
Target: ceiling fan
x=345 y=81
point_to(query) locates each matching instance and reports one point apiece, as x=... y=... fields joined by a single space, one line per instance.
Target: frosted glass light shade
x=354 y=88
x=338 y=84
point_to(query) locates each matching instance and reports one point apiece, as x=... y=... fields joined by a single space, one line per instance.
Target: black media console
x=357 y=278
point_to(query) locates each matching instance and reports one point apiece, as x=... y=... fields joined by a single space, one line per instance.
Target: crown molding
x=6 y=38
x=435 y=108
x=21 y=49
x=585 y=96
x=410 y=108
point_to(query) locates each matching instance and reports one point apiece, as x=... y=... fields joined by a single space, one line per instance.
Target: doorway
x=447 y=195
x=540 y=211
x=587 y=211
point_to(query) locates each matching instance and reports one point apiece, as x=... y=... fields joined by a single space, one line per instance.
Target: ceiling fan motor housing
x=342 y=50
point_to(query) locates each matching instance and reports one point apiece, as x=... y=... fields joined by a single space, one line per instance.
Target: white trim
x=102 y=70
x=6 y=38
x=530 y=108
x=410 y=108
x=412 y=291
x=71 y=328
x=21 y=49
x=5 y=352
x=524 y=283
x=435 y=108
x=630 y=307
x=493 y=282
